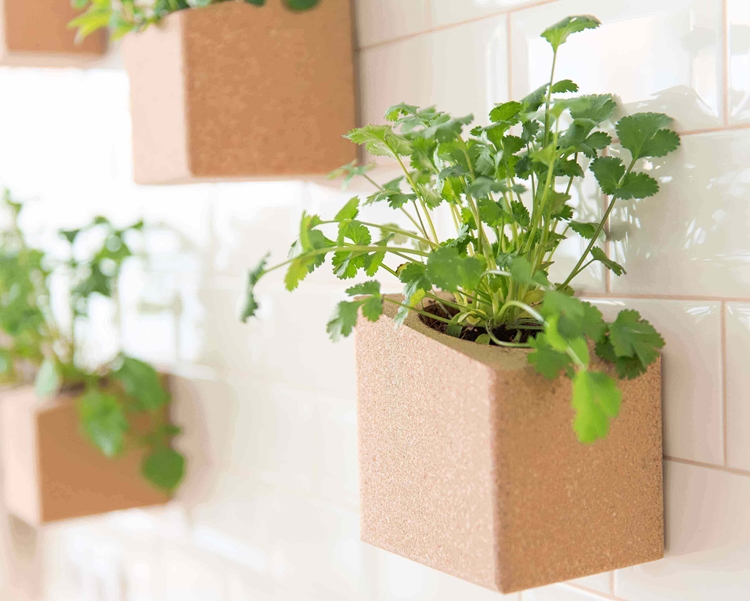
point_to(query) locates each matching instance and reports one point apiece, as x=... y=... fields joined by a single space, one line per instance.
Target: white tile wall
x=269 y=511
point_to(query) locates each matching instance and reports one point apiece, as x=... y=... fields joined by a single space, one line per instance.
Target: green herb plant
x=124 y=16
x=506 y=188
x=122 y=403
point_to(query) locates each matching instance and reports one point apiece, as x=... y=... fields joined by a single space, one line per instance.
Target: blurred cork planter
x=469 y=464
x=53 y=473
x=36 y=34
x=236 y=91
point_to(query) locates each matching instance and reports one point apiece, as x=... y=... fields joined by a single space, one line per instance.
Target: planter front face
x=36 y=33
x=52 y=473
x=239 y=91
x=469 y=463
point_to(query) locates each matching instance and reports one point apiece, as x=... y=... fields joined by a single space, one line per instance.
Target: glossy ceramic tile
x=708 y=540
x=398 y=72
x=691 y=372
x=738 y=21
x=692 y=238
x=402 y=579
x=470 y=68
x=738 y=385
x=656 y=55
x=382 y=20
x=560 y=592
x=601 y=583
x=446 y=12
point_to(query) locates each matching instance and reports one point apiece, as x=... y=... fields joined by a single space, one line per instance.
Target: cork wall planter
x=36 y=34
x=237 y=91
x=52 y=473
x=469 y=463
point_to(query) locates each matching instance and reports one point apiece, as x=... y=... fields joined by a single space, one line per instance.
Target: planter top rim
x=497 y=357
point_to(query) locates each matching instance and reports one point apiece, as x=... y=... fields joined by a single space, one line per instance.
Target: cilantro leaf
x=558 y=33
x=637 y=185
x=371 y=287
x=380 y=140
x=608 y=171
x=599 y=255
x=596 y=400
x=505 y=111
x=626 y=367
x=584 y=230
x=645 y=135
x=250 y=304
x=343 y=320
x=450 y=271
x=633 y=336
x=564 y=85
x=349 y=211
x=48 y=379
x=547 y=360
x=593 y=107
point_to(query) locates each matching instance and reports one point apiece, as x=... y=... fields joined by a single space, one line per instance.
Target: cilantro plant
x=125 y=16
x=506 y=190
x=122 y=403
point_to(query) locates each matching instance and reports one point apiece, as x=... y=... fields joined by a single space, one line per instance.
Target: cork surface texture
x=261 y=92
x=469 y=463
x=41 y=27
x=52 y=473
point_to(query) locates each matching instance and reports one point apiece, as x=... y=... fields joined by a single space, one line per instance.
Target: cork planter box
x=53 y=473
x=469 y=463
x=236 y=91
x=36 y=34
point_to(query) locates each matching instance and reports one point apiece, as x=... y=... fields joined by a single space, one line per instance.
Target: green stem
x=425 y=313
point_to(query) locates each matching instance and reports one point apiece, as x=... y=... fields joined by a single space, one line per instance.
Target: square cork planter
x=236 y=91
x=53 y=473
x=469 y=463
x=36 y=34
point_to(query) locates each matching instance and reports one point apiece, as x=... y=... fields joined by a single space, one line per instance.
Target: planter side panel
x=424 y=451
x=18 y=437
x=154 y=61
x=76 y=479
x=269 y=92
x=41 y=26
x=565 y=509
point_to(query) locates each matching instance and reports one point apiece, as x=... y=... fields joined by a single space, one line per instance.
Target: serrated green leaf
x=563 y=86
x=343 y=320
x=349 y=211
x=637 y=185
x=645 y=135
x=250 y=304
x=633 y=336
x=585 y=230
x=547 y=361
x=505 y=111
x=596 y=400
x=449 y=271
x=594 y=107
x=608 y=171
x=558 y=33
x=598 y=254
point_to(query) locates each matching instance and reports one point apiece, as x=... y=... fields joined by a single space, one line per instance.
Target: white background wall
x=269 y=511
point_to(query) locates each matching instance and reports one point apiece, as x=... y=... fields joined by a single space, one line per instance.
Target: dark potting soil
x=471 y=333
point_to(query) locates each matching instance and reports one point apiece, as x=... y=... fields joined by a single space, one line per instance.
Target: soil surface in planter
x=471 y=333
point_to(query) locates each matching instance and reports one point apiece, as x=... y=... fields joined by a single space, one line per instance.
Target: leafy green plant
x=506 y=189
x=125 y=16
x=122 y=404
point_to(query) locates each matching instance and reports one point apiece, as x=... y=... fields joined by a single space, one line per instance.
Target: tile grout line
x=667 y=297
x=725 y=445
x=432 y=29
x=509 y=52
x=725 y=57
x=711 y=466
x=593 y=592
x=711 y=130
